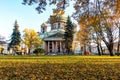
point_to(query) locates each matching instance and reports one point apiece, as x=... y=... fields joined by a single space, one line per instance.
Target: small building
x=3 y=47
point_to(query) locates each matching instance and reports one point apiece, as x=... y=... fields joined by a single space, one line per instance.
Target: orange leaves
x=84 y=33
x=117 y=7
x=106 y=3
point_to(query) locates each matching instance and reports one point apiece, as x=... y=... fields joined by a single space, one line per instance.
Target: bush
x=39 y=51
x=117 y=54
x=1 y=50
x=19 y=52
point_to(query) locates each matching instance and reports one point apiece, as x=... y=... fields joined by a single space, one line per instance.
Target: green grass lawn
x=59 y=67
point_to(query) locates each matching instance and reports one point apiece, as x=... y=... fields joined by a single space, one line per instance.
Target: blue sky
x=27 y=16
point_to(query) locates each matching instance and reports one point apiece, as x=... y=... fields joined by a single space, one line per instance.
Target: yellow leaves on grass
x=80 y=68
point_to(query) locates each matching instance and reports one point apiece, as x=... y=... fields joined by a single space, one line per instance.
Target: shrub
x=1 y=50
x=39 y=51
x=117 y=54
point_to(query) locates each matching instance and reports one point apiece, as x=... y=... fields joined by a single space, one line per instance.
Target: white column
x=48 y=47
x=56 y=47
x=53 y=46
x=45 y=46
x=63 y=47
x=60 y=46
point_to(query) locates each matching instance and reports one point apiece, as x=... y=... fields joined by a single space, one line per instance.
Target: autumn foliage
x=31 y=39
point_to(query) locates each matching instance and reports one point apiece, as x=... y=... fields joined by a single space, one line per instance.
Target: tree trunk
x=98 y=50
x=29 y=51
x=62 y=50
x=67 y=51
x=89 y=47
x=101 y=49
x=110 y=49
x=118 y=42
x=118 y=47
x=84 y=49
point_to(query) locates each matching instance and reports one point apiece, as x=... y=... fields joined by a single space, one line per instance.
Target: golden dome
x=58 y=16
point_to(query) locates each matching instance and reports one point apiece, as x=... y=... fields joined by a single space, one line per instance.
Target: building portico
x=54 y=47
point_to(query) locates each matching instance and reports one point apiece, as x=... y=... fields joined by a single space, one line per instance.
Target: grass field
x=59 y=68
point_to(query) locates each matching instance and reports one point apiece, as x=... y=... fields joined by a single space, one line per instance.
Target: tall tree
x=103 y=17
x=31 y=39
x=68 y=36
x=15 y=38
x=84 y=35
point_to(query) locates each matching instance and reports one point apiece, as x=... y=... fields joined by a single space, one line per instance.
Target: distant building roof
x=3 y=42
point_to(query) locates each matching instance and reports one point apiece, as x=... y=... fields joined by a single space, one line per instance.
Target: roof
x=44 y=25
x=3 y=42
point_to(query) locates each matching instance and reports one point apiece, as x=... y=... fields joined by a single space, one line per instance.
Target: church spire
x=44 y=27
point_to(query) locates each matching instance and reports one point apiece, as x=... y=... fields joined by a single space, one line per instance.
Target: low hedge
x=117 y=54
x=39 y=51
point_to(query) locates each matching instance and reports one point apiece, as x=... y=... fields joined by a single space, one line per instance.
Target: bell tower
x=43 y=28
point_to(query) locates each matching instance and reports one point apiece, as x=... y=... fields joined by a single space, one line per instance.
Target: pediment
x=56 y=36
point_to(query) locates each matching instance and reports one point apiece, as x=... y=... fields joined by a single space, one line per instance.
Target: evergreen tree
x=15 y=38
x=68 y=36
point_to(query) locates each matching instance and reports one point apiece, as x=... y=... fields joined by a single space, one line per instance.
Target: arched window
x=43 y=30
x=58 y=25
